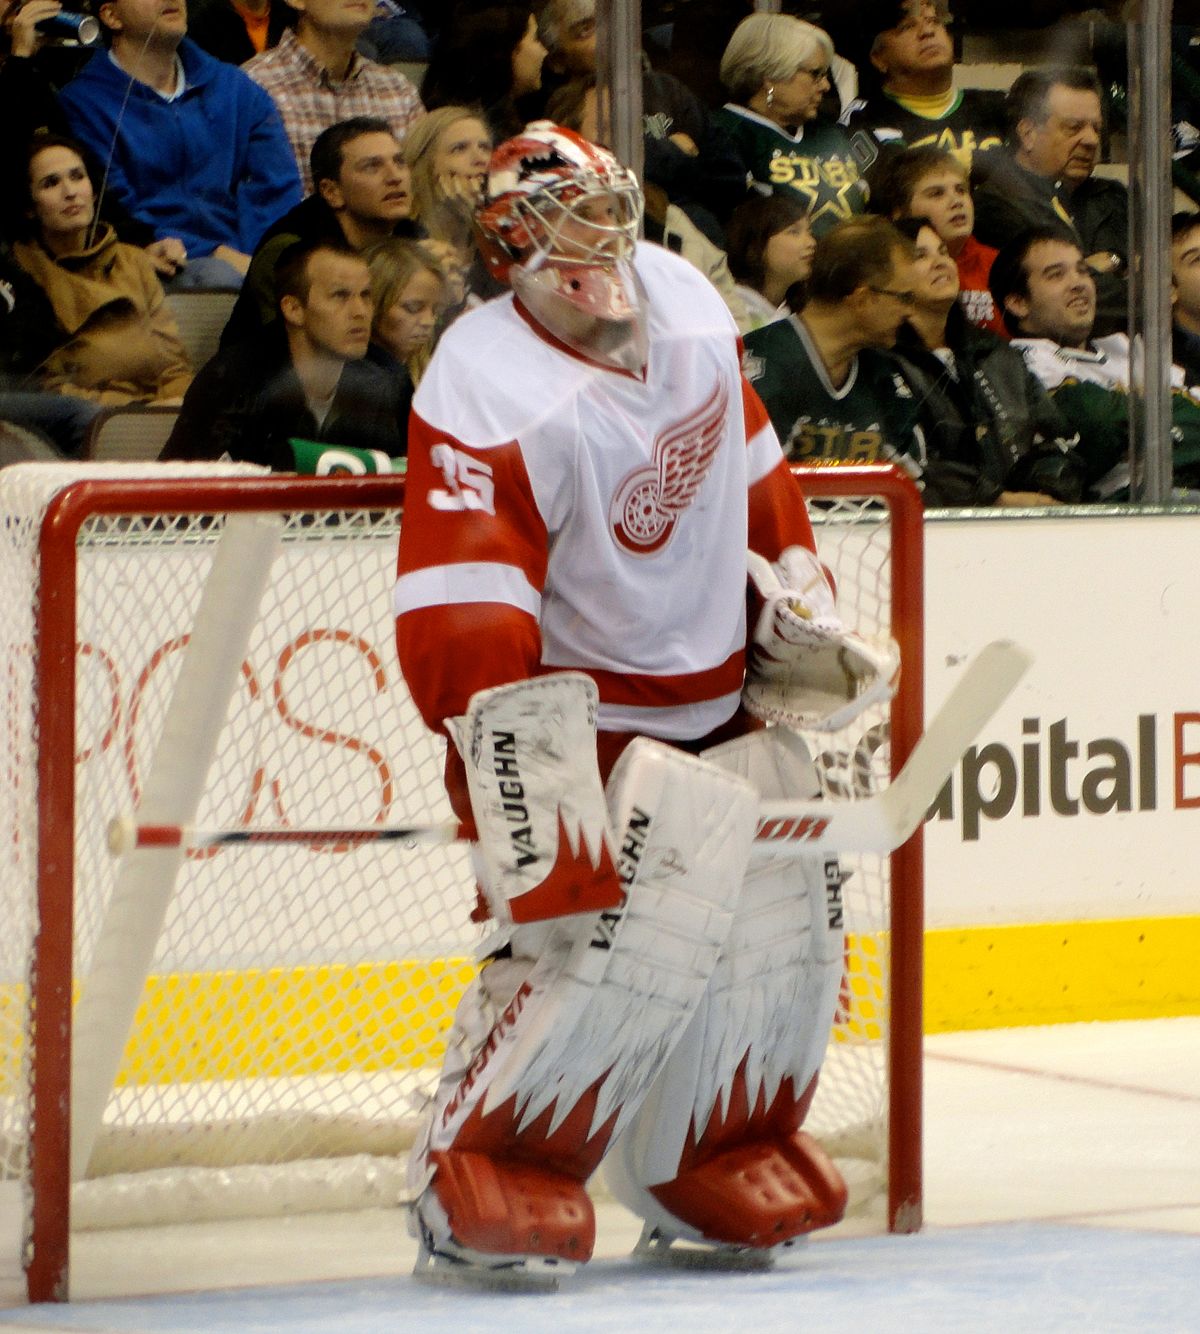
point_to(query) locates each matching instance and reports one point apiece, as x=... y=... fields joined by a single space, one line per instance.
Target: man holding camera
x=193 y=147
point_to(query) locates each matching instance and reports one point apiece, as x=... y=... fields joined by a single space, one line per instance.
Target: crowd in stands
x=922 y=272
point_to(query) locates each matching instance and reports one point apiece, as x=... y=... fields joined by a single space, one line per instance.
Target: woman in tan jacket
x=121 y=344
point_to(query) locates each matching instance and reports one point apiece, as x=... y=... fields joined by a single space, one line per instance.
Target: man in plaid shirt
x=316 y=77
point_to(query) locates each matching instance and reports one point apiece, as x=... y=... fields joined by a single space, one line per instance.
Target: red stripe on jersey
x=448 y=653
x=778 y=515
x=664 y=692
x=465 y=504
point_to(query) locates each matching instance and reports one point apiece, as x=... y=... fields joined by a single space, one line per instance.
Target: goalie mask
x=559 y=224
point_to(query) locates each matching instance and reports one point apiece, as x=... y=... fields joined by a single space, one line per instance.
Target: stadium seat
x=201 y=314
x=132 y=434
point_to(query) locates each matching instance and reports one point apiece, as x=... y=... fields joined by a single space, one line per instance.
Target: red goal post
x=86 y=721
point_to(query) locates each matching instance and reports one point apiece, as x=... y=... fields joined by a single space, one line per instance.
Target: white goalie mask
x=559 y=224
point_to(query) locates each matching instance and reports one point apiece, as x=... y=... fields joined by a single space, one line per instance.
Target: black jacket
x=255 y=309
x=991 y=429
x=247 y=402
x=29 y=329
x=1012 y=200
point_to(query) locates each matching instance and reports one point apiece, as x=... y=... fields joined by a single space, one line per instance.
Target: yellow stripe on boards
x=317 y=1020
x=1061 y=972
x=370 y=1018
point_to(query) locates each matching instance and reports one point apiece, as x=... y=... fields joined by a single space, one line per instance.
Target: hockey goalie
x=587 y=471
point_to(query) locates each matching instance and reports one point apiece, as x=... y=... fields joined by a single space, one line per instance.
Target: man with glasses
x=831 y=396
x=1046 y=178
x=916 y=103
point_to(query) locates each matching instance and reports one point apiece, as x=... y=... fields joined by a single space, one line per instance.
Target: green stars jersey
x=815 y=163
x=872 y=418
x=973 y=123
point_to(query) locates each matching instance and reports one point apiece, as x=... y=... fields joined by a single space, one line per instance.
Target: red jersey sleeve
x=472 y=567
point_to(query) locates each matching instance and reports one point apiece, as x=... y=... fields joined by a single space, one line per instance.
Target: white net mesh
x=849 y=1113
x=299 y=995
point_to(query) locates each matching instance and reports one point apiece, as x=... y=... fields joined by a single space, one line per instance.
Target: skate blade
x=533 y=1273
x=677 y=1253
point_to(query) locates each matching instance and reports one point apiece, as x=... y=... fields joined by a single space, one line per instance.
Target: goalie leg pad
x=544 y=847
x=740 y=1080
x=759 y=1193
x=571 y=1052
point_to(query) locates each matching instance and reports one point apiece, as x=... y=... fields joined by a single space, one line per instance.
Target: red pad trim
x=511 y=1208
x=574 y=884
x=759 y=1194
x=753 y=1178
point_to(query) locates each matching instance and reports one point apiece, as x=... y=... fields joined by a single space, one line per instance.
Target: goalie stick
x=879 y=823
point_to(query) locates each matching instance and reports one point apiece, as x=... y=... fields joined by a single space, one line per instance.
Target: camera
x=68 y=26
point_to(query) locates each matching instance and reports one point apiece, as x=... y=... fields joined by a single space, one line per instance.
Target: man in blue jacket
x=193 y=146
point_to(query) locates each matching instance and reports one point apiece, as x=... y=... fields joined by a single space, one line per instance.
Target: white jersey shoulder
x=1105 y=361
x=495 y=379
x=682 y=301
x=492 y=377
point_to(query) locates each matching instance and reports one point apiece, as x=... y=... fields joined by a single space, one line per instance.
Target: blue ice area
x=1014 y=1278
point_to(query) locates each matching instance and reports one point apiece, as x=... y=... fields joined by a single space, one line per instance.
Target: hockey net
x=256 y=1029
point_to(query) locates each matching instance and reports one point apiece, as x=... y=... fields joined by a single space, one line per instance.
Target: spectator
x=1045 y=177
x=409 y=294
x=931 y=183
x=192 y=148
x=316 y=78
x=27 y=99
x=993 y=436
x=285 y=398
x=776 y=68
x=448 y=152
x=361 y=196
x=683 y=152
x=121 y=343
x=1185 y=294
x=491 y=59
x=238 y=30
x=770 y=248
x=29 y=333
x=916 y=104
x=830 y=393
x=1047 y=291
x=396 y=33
x=28 y=103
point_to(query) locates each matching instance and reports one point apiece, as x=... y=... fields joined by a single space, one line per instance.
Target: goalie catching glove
x=806 y=669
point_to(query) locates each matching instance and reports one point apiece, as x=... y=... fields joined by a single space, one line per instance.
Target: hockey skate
x=658 y=1246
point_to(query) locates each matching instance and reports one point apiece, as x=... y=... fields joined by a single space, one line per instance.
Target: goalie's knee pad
x=595 y=1009
x=723 y=1115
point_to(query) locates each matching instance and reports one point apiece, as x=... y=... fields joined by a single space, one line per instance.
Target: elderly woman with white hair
x=778 y=69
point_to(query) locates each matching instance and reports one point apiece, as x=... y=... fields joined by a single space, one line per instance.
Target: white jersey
x=606 y=508
x=1105 y=361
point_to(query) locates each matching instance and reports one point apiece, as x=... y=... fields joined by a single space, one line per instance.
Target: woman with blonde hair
x=447 y=152
x=120 y=341
x=408 y=289
x=778 y=69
